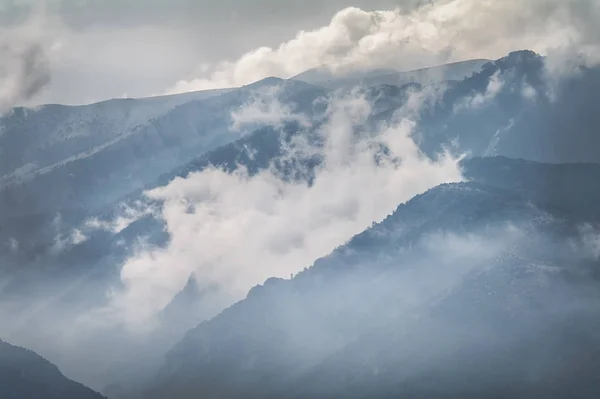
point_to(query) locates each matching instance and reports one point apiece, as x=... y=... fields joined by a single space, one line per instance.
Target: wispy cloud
x=479 y=100
x=235 y=230
x=265 y=108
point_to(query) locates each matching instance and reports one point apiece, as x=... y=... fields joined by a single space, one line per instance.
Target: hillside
x=50 y=276
x=468 y=290
x=81 y=159
x=26 y=375
x=452 y=71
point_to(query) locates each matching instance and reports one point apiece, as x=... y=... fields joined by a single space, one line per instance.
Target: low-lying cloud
x=235 y=230
x=265 y=108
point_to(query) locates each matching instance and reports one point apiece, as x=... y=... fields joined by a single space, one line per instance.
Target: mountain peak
x=269 y=81
x=516 y=58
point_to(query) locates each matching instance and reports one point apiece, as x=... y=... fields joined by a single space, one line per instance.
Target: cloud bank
x=234 y=230
x=438 y=32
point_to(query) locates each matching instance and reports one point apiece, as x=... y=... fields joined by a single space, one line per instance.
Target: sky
x=115 y=48
x=91 y=50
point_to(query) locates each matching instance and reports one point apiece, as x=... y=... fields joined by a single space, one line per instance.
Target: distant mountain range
x=453 y=71
x=507 y=308
x=83 y=159
x=61 y=164
x=486 y=288
x=25 y=374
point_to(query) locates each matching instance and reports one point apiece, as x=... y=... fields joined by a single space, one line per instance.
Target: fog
x=233 y=230
x=436 y=278
x=410 y=305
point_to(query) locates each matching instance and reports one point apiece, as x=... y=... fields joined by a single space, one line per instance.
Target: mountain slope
x=35 y=138
x=507 y=123
x=112 y=156
x=257 y=151
x=26 y=375
x=517 y=107
x=48 y=278
x=75 y=278
x=451 y=71
x=481 y=288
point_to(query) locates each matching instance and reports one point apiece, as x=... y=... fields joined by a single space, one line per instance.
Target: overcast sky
x=142 y=47
x=98 y=49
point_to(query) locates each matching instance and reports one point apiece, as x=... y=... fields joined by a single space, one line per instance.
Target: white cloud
x=265 y=108
x=493 y=88
x=529 y=92
x=61 y=242
x=479 y=100
x=237 y=230
x=125 y=217
x=439 y=31
x=588 y=244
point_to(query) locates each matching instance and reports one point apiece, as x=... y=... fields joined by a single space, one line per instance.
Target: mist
x=289 y=238
x=231 y=228
x=399 y=306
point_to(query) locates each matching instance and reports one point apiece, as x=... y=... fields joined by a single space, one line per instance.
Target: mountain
x=26 y=375
x=506 y=123
x=323 y=76
x=36 y=138
x=466 y=119
x=265 y=147
x=514 y=106
x=189 y=301
x=452 y=71
x=60 y=164
x=517 y=107
x=486 y=288
x=49 y=275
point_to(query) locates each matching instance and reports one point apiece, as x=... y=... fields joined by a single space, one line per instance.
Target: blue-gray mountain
x=518 y=120
x=60 y=164
x=26 y=375
x=290 y=338
x=477 y=289
x=454 y=71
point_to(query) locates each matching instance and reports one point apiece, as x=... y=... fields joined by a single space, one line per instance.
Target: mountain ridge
x=81 y=272
x=450 y=71
x=275 y=323
x=25 y=374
